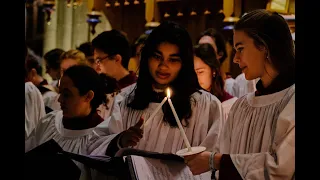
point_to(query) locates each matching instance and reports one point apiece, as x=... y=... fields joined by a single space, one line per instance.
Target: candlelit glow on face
x=168 y=93
x=165 y=64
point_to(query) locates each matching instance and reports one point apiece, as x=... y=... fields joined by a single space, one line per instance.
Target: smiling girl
x=166 y=61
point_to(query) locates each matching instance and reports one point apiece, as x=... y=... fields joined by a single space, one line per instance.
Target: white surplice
x=228 y=86
x=259 y=135
x=203 y=130
x=226 y=107
x=75 y=141
x=34 y=107
x=49 y=97
x=242 y=86
x=52 y=102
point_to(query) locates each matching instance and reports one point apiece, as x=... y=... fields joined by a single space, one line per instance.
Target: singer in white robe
x=203 y=130
x=75 y=141
x=226 y=107
x=34 y=107
x=258 y=139
x=73 y=127
x=269 y=148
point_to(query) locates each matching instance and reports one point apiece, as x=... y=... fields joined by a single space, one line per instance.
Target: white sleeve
x=215 y=124
x=34 y=108
x=108 y=129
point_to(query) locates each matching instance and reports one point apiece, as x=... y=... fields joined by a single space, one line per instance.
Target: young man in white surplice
x=166 y=61
x=258 y=139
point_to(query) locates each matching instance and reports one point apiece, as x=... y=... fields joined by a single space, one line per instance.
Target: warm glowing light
x=168 y=93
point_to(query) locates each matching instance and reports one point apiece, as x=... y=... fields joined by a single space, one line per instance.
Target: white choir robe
x=52 y=102
x=48 y=97
x=158 y=136
x=75 y=141
x=54 y=83
x=259 y=135
x=242 y=86
x=34 y=107
x=228 y=86
x=226 y=107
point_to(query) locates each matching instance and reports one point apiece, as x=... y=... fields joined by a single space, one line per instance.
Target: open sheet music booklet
x=144 y=165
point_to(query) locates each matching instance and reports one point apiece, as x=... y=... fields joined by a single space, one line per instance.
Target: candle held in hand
x=154 y=112
x=186 y=141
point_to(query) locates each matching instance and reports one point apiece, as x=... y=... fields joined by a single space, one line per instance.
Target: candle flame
x=168 y=93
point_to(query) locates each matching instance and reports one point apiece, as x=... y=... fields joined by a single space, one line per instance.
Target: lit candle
x=186 y=141
x=154 y=112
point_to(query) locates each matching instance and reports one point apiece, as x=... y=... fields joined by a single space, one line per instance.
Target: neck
x=269 y=75
x=37 y=80
x=79 y=122
x=121 y=73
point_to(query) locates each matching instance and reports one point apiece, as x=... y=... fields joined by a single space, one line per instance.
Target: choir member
x=258 y=139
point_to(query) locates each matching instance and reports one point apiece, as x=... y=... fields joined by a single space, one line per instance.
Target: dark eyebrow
x=171 y=55
x=237 y=44
x=199 y=68
x=174 y=55
x=159 y=52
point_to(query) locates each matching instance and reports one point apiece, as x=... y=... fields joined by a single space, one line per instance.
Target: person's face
x=91 y=62
x=204 y=73
x=54 y=74
x=72 y=104
x=250 y=59
x=105 y=63
x=165 y=63
x=66 y=63
x=210 y=40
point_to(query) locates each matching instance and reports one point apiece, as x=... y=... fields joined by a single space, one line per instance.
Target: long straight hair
x=185 y=84
x=270 y=30
x=207 y=54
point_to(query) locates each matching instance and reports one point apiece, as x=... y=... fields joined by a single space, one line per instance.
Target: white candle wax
x=154 y=112
x=186 y=141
